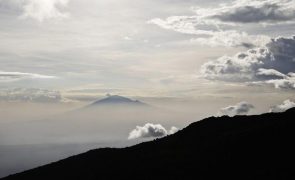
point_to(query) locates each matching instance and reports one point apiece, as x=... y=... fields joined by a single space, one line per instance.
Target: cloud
x=272 y=64
x=214 y=26
x=232 y=38
x=14 y=76
x=242 y=108
x=238 y=11
x=30 y=95
x=286 y=83
x=208 y=33
x=39 y=10
x=241 y=67
x=182 y=24
x=214 y=37
x=249 y=11
x=173 y=130
x=287 y=104
x=270 y=73
x=150 y=130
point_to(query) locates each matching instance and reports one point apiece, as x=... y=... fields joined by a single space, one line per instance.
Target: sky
x=207 y=52
x=168 y=48
x=188 y=54
x=189 y=58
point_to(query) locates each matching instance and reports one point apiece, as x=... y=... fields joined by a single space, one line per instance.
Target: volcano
x=115 y=100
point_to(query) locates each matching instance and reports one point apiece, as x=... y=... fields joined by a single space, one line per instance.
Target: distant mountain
x=115 y=100
x=241 y=147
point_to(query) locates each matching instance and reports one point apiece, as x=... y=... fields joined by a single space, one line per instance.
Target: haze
x=185 y=59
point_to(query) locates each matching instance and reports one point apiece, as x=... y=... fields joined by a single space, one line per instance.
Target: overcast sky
x=179 y=48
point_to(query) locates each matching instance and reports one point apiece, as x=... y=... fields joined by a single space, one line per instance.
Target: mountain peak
x=117 y=100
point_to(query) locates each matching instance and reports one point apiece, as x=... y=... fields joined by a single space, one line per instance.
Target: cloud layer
x=270 y=64
x=195 y=25
x=242 y=108
x=150 y=130
x=239 y=11
x=14 y=76
x=287 y=104
x=217 y=26
x=249 y=11
x=30 y=95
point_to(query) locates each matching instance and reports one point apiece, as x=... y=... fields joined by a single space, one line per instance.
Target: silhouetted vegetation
x=242 y=147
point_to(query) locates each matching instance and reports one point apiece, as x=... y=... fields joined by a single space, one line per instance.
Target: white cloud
x=270 y=64
x=173 y=130
x=242 y=108
x=274 y=74
x=232 y=38
x=287 y=104
x=39 y=10
x=182 y=24
x=14 y=76
x=214 y=26
x=286 y=83
x=212 y=36
x=150 y=130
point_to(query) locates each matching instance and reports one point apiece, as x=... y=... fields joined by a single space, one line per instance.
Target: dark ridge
x=241 y=147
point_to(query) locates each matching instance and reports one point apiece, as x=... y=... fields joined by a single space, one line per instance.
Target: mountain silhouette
x=240 y=147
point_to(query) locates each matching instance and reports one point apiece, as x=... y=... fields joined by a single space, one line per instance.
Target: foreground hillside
x=241 y=147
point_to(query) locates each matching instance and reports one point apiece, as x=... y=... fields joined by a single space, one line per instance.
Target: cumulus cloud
x=39 y=10
x=30 y=95
x=287 y=104
x=13 y=76
x=270 y=64
x=150 y=130
x=215 y=26
x=242 y=108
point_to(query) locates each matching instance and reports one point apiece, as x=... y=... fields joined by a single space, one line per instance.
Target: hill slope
x=241 y=147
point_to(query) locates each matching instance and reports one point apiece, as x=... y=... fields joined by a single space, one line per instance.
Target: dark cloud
x=247 y=45
x=242 y=108
x=273 y=63
x=12 y=76
x=218 y=26
x=266 y=11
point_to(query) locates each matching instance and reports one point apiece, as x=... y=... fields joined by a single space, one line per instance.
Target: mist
x=34 y=134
